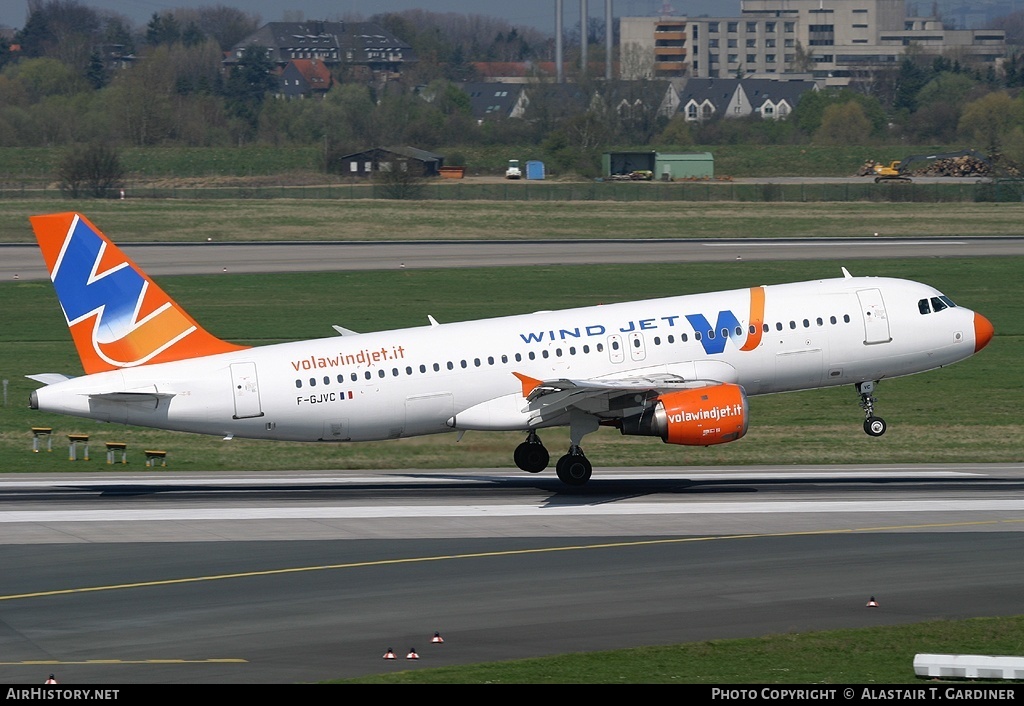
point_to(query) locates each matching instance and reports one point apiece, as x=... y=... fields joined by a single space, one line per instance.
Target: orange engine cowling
x=701 y=417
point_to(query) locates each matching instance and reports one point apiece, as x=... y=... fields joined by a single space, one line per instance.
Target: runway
x=22 y=262
x=170 y=577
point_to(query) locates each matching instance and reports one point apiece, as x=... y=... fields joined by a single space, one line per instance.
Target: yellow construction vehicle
x=900 y=170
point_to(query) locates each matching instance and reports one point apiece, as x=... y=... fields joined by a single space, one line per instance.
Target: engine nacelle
x=700 y=417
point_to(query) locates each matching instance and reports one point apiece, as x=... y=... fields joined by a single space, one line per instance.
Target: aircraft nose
x=982 y=332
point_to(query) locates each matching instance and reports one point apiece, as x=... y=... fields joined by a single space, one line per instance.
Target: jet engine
x=699 y=417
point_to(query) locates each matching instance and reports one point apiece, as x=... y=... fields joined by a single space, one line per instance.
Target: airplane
x=679 y=367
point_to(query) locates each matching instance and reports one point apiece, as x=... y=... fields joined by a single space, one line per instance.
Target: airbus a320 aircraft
x=679 y=368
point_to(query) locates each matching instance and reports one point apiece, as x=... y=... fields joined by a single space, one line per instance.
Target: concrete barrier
x=969 y=666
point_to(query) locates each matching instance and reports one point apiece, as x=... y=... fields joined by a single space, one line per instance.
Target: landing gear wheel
x=574 y=469
x=874 y=426
x=531 y=456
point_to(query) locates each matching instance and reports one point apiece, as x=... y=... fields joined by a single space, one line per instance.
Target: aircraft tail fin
x=118 y=317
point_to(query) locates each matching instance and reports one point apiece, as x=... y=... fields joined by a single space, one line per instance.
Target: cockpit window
x=927 y=306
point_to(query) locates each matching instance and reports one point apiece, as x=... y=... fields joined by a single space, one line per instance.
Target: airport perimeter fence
x=696 y=191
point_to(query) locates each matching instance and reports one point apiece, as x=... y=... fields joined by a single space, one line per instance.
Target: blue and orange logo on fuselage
x=118 y=317
x=727 y=327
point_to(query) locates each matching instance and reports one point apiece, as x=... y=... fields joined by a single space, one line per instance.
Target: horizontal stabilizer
x=48 y=378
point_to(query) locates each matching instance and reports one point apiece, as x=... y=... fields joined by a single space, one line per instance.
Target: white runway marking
x=540 y=510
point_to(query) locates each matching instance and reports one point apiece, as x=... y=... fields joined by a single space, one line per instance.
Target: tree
x=97 y=72
x=248 y=84
x=163 y=29
x=93 y=170
x=5 y=52
x=843 y=124
x=65 y=30
x=991 y=119
x=400 y=179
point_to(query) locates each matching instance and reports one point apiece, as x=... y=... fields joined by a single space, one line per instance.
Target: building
x=383 y=159
x=706 y=98
x=493 y=100
x=303 y=78
x=835 y=41
x=364 y=47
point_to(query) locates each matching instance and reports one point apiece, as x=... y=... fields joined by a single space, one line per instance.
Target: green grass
x=968 y=412
x=866 y=656
x=187 y=220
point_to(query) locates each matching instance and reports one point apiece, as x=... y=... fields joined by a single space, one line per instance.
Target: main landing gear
x=573 y=468
x=873 y=426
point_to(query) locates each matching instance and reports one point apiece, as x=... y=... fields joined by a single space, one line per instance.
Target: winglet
x=118 y=317
x=529 y=384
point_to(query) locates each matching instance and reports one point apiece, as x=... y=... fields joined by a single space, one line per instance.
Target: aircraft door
x=876 y=323
x=246 y=391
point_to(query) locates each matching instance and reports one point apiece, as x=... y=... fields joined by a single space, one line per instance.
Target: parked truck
x=513 y=171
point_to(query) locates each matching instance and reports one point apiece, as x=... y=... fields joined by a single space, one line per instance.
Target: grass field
x=184 y=220
x=869 y=656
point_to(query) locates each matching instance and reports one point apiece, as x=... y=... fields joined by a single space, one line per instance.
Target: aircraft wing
x=609 y=395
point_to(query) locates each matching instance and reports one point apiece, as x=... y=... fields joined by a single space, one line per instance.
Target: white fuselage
x=452 y=376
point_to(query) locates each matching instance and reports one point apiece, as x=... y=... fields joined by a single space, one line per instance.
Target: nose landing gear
x=873 y=426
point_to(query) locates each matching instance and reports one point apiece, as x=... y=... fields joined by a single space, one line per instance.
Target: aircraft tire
x=531 y=457
x=874 y=426
x=574 y=469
